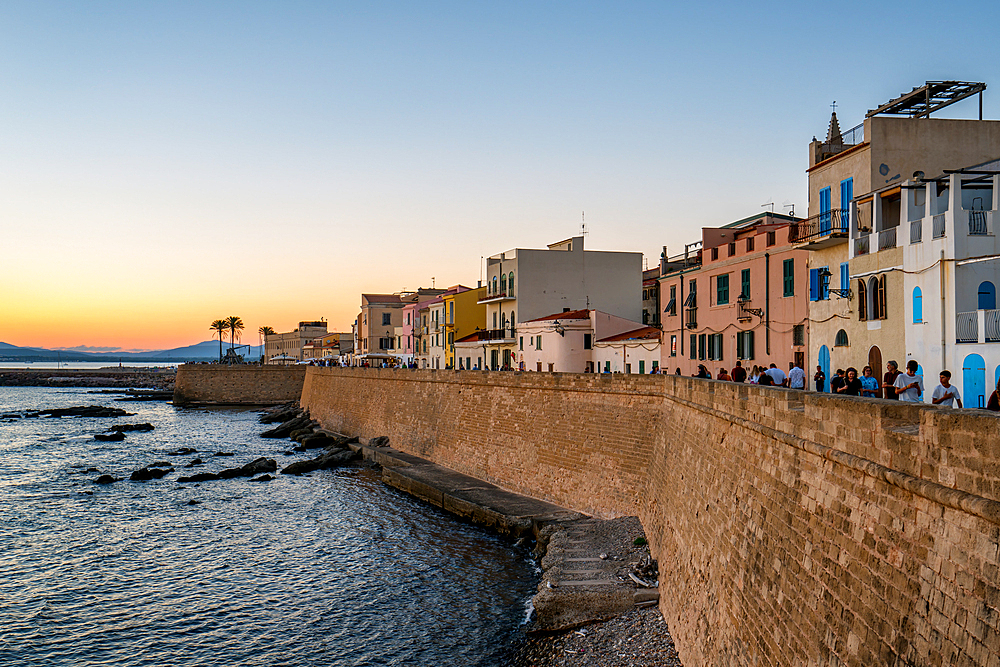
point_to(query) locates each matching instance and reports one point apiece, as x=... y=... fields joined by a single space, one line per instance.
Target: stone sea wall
x=791 y=528
x=238 y=385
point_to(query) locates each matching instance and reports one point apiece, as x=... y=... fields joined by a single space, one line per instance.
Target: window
x=642 y=367
x=588 y=341
x=503 y=283
x=788 y=275
x=510 y=283
x=799 y=334
x=645 y=316
x=732 y=248
x=694 y=346
x=538 y=342
x=918 y=306
x=673 y=346
x=672 y=304
x=715 y=253
x=862 y=301
x=714 y=343
x=520 y=344
x=771 y=239
x=824 y=210
x=841 y=339
x=845 y=277
x=607 y=367
x=744 y=345
x=745 y=284
x=702 y=344
x=656 y=364
x=876 y=298
x=722 y=289
x=846 y=195
x=645 y=295
x=407 y=318
x=749 y=244
x=987 y=296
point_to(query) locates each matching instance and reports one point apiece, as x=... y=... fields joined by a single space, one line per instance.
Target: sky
x=167 y=164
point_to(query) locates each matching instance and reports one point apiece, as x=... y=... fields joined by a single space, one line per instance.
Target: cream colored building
x=855 y=180
x=565 y=342
x=284 y=347
x=524 y=284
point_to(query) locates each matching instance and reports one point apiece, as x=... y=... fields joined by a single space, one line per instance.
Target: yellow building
x=464 y=315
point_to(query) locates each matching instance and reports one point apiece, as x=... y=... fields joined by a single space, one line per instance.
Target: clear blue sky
x=180 y=162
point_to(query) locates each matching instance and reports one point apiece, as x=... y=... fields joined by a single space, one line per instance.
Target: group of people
x=905 y=385
x=770 y=376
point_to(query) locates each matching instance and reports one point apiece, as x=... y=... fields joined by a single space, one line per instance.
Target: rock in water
x=146 y=474
x=183 y=451
x=105 y=479
x=262 y=478
x=132 y=427
x=117 y=436
x=84 y=411
x=324 y=461
x=200 y=477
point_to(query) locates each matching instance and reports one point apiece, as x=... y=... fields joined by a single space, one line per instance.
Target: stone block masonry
x=791 y=528
x=238 y=385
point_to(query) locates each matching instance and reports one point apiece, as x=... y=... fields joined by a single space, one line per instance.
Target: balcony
x=968 y=326
x=887 y=238
x=916 y=231
x=486 y=295
x=507 y=335
x=939 y=226
x=861 y=246
x=821 y=231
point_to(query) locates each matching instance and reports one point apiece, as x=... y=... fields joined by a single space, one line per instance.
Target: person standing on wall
x=777 y=375
x=945 y=393
x=852 y=385
x=796 y=377
x=819 y=378
x=739 y=373
x=910 y=386
x=889 y=380
x=837 y=381
x=869 y=384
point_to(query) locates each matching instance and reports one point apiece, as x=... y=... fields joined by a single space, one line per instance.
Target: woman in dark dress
x=852 y=385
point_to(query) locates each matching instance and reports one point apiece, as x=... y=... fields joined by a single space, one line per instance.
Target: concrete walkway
x=586 y=560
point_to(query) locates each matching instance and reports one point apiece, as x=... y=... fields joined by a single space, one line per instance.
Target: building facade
x=288 y=346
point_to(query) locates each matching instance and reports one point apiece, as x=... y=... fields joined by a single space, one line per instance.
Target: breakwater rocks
x=159 y=379
x=297 y=425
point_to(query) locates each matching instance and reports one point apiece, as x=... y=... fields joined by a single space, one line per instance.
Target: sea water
x=330 y=569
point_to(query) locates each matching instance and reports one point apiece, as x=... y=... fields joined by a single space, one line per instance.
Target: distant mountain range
x=205 y=351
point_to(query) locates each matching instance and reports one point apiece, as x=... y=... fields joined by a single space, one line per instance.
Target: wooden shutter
x=862 y=301
x=881 y=297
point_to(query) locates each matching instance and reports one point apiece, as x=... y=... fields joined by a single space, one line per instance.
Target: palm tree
x=219 y=326
x=234 y=324
x=264 y=332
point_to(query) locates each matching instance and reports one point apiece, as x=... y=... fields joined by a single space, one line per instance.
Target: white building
x=951 y=268
x=635 y=351
x=565 y=342
x=524 y=284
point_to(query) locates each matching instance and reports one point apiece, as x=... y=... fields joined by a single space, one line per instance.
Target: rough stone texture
x=238 y=385
x=790 y=527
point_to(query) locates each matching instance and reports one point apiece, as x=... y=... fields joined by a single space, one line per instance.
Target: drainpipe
x=680 y=307
x=767 y=302
x=944 y=323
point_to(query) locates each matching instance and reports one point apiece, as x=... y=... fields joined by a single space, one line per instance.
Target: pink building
x=742 y=297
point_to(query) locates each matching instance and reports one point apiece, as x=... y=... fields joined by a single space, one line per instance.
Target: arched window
x=918 y=306
x=862 y=301
x=495 y=292
x=987 y=296
x=873 y=298
x=510 y=282
x=494 y=320
x=841 y=339
x=503 y=283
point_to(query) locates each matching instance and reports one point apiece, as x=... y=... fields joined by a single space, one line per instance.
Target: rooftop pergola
x=932 y=96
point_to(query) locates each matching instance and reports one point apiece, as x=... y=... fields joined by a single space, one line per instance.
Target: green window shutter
x=788 y=270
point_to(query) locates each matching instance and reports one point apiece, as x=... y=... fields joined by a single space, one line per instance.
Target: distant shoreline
x=124 y=377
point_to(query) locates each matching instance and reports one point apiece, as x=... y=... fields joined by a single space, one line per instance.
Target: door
x=493 y=360
x=973 y=382
x=824 y=364
x=875 y=361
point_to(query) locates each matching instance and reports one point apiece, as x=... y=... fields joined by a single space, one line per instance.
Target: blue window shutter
x=813 y=284
x=918 y=306
x=845 y=278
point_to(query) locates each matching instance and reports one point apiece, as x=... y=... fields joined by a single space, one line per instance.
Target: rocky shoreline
x=160 y=379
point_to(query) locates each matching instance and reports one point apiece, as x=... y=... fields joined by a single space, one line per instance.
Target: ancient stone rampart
x=791 y=528
x=238 y=385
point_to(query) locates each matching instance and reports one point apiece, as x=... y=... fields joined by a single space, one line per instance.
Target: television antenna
x=770 y=203
x=583 y=223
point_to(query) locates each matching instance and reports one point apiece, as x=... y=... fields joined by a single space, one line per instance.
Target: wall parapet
x=791 y=527
x=238 y=385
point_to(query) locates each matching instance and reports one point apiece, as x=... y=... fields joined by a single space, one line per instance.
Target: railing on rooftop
x=977 y=223
x=992 y=325
x=887 y=238
x=939 y=226
x=508 y=333
x=967 y=327
x=831 y=222
x=916 y=230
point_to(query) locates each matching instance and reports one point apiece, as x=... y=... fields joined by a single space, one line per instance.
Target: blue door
x=987 y=296
x=974 y=382
x=824 y=363
x=824 y=210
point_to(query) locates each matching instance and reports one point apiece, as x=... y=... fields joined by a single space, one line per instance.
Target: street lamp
x=824 y=276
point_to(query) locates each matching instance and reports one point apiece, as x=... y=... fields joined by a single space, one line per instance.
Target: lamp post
x=824 y=276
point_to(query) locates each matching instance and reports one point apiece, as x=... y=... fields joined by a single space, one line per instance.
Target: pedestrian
x=723 y=375
x=755 y=374
x=703 y=372
x=678 y=371
x=945 y=393
x=869 y=385
x=889 y=380
x=910 y=386
x=776 y=374
x=819 y=378
x=994 y=403
x=796 y=377
x=852 y=385
x=837 y=381
x=765 y=380
x=739 y=373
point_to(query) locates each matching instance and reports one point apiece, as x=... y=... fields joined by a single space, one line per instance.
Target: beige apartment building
x=288 y=347
x=379 y=326
x=855 y=188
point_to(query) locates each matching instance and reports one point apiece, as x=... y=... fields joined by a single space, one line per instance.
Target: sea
x=334 y=568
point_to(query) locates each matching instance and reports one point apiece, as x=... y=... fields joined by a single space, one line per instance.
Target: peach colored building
x=746 y=299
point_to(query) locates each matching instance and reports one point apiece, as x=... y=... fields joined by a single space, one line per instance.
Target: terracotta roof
x=381 y=298
x=568 y=315
x=645 y=333
x=470 y=338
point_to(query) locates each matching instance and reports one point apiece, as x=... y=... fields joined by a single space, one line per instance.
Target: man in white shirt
x=910 y=386
x=945 y=393
x=777 y=375
x=796 y=377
